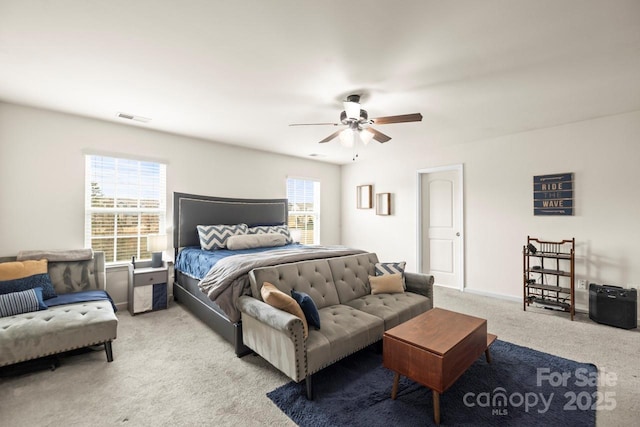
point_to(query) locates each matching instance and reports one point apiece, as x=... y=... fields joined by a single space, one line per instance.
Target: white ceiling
x=238 y=72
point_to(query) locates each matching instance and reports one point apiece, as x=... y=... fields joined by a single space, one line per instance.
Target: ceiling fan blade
x=330 y=137
x=403 y=118
x=315 y=124
x=379 y=136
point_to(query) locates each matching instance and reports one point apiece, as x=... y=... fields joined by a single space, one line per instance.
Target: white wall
x=42 y=176
x=42 y=190
x=603 y=154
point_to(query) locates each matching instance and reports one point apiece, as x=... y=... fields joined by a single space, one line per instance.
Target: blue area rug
x=521 y=387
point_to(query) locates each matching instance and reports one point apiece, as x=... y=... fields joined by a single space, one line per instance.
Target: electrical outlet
x=582 y=284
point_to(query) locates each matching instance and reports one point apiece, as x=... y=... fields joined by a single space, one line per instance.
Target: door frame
x=460 y=216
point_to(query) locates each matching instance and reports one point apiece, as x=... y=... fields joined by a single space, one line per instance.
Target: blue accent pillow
x=308 y=308
x=36 y=281
x=21 y=302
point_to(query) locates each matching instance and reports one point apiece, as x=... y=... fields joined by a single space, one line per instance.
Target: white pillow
x=249 y=241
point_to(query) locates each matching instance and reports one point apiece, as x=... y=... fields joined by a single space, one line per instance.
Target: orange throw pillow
x=278 y=299
x=21 y=269
x=386 y=284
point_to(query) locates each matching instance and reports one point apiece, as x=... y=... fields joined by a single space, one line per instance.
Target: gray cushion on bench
x=58 y=329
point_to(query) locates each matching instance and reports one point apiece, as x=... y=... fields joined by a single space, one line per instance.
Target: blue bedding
x=196 y=263
x=82 y=296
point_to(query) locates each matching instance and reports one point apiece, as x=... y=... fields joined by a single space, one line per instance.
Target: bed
x=210 y=290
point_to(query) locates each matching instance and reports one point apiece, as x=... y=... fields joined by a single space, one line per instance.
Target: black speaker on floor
x=613 y=306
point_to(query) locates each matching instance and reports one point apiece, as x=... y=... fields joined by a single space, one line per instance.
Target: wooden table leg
x=436 y=407
x=490 y=339
x=394 y=390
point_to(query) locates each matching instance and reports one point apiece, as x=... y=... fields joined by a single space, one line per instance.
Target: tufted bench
x=64 y=327
x=56 y=330
x=351 y=317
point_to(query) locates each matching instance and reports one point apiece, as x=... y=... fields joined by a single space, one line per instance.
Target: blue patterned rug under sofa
x=521 y=387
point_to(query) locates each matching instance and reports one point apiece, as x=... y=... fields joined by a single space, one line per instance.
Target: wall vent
x=132 y=117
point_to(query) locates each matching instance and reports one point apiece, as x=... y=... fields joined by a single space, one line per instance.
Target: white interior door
x=441 y=239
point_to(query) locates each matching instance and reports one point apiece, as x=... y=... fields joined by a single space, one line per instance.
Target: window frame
x=315 y=213
x=140 y=235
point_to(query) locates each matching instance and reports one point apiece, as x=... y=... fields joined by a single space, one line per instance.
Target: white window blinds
x=125 y=201
x=303 y=197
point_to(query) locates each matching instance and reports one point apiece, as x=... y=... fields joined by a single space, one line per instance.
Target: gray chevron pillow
x=383 y=268
x=214 y=237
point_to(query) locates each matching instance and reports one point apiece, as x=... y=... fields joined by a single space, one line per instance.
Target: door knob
x=458 y=234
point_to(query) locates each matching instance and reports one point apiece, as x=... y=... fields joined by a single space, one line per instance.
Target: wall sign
x=553 y=194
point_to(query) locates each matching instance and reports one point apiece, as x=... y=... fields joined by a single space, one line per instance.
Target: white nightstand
x=147 y=288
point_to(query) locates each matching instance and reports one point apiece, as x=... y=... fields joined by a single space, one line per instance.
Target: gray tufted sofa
x=351 y=318
x=66 y=327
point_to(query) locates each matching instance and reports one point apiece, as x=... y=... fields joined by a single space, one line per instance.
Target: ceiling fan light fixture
x=366 y=136
x=357 y=122
x=346 y=138
x=352 y=109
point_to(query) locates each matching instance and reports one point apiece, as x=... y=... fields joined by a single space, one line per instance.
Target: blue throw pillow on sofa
x=308 y=308
x=36 y=281
x=21 y=302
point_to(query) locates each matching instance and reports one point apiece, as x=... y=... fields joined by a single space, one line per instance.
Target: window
x=304 y=209
x=125 y=200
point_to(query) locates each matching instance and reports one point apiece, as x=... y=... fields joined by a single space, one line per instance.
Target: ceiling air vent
x=132 y=117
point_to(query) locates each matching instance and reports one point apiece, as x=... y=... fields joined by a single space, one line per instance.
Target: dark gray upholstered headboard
x=190 y=210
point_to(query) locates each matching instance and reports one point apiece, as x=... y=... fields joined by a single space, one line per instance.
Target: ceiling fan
x=358 y=124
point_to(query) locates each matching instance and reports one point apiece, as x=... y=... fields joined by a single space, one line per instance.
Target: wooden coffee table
x=435 y=349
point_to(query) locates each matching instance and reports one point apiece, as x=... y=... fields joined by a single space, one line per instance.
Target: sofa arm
x=420 y=284
x=276 y=335
x=275 y=318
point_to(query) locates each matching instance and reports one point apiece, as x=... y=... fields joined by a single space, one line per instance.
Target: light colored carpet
x=171 y=369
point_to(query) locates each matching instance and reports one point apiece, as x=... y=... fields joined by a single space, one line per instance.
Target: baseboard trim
x=578 y=309
x=492 y=295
